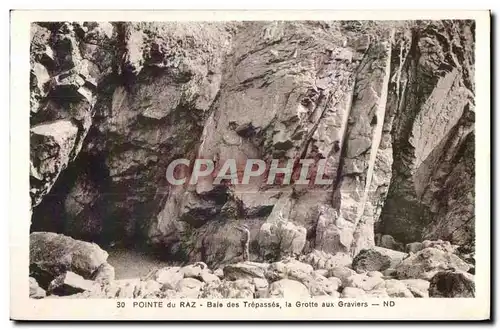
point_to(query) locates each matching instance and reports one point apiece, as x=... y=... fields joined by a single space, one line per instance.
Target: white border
x=429 y=309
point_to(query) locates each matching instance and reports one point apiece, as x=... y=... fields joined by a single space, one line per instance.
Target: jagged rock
x=452 y=284
x=169 y=277
x=54 y=254
x=427 y=262
x=51 y=146
x=370 y=260
x=323 y=260
x=36 y=292
x=244 y=270
x=105 y=273
x=288 y=289
x=418 y=287
x=397 y=289
x=69 y=283
x=229 y=289
x=189 y=287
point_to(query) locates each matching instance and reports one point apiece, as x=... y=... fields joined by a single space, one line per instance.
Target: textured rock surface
x=389 y=108
x=454 y=284
x=53 y=254
x=427 y=262
x=370 y=260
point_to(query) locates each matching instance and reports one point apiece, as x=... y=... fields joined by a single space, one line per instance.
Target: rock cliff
x=387 y=106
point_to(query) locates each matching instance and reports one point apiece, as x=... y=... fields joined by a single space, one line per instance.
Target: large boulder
x=168 y=277
x=189 y=287
x=54 y=254
x=370 y=260
x=452 y=284
x=244 y=270
x=289 y=289
x=428 y=262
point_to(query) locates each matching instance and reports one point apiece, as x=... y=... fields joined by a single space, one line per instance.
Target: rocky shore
x=76 y=269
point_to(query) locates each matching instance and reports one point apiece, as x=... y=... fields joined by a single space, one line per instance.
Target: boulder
x=342 y=273
x=54 y=254
x=244 y=270
x=169 y=277
x=397 y=289
x=413 y=247
x=189 y=288
x=289 y=289
x=395 y=256
x=370 y=260
x=320 y=286
x=388 y=242
x=195 y=270
x=418 y=287
x=69 y=283
x=428 y=262
x=362 y=281
x=452 y=284
x=36 y=292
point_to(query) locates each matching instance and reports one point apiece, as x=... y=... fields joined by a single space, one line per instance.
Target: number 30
x=120 y=304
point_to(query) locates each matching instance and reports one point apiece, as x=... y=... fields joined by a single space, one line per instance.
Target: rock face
x=385 y=111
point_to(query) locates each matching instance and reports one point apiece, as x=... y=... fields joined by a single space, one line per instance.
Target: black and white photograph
x=266 y=163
